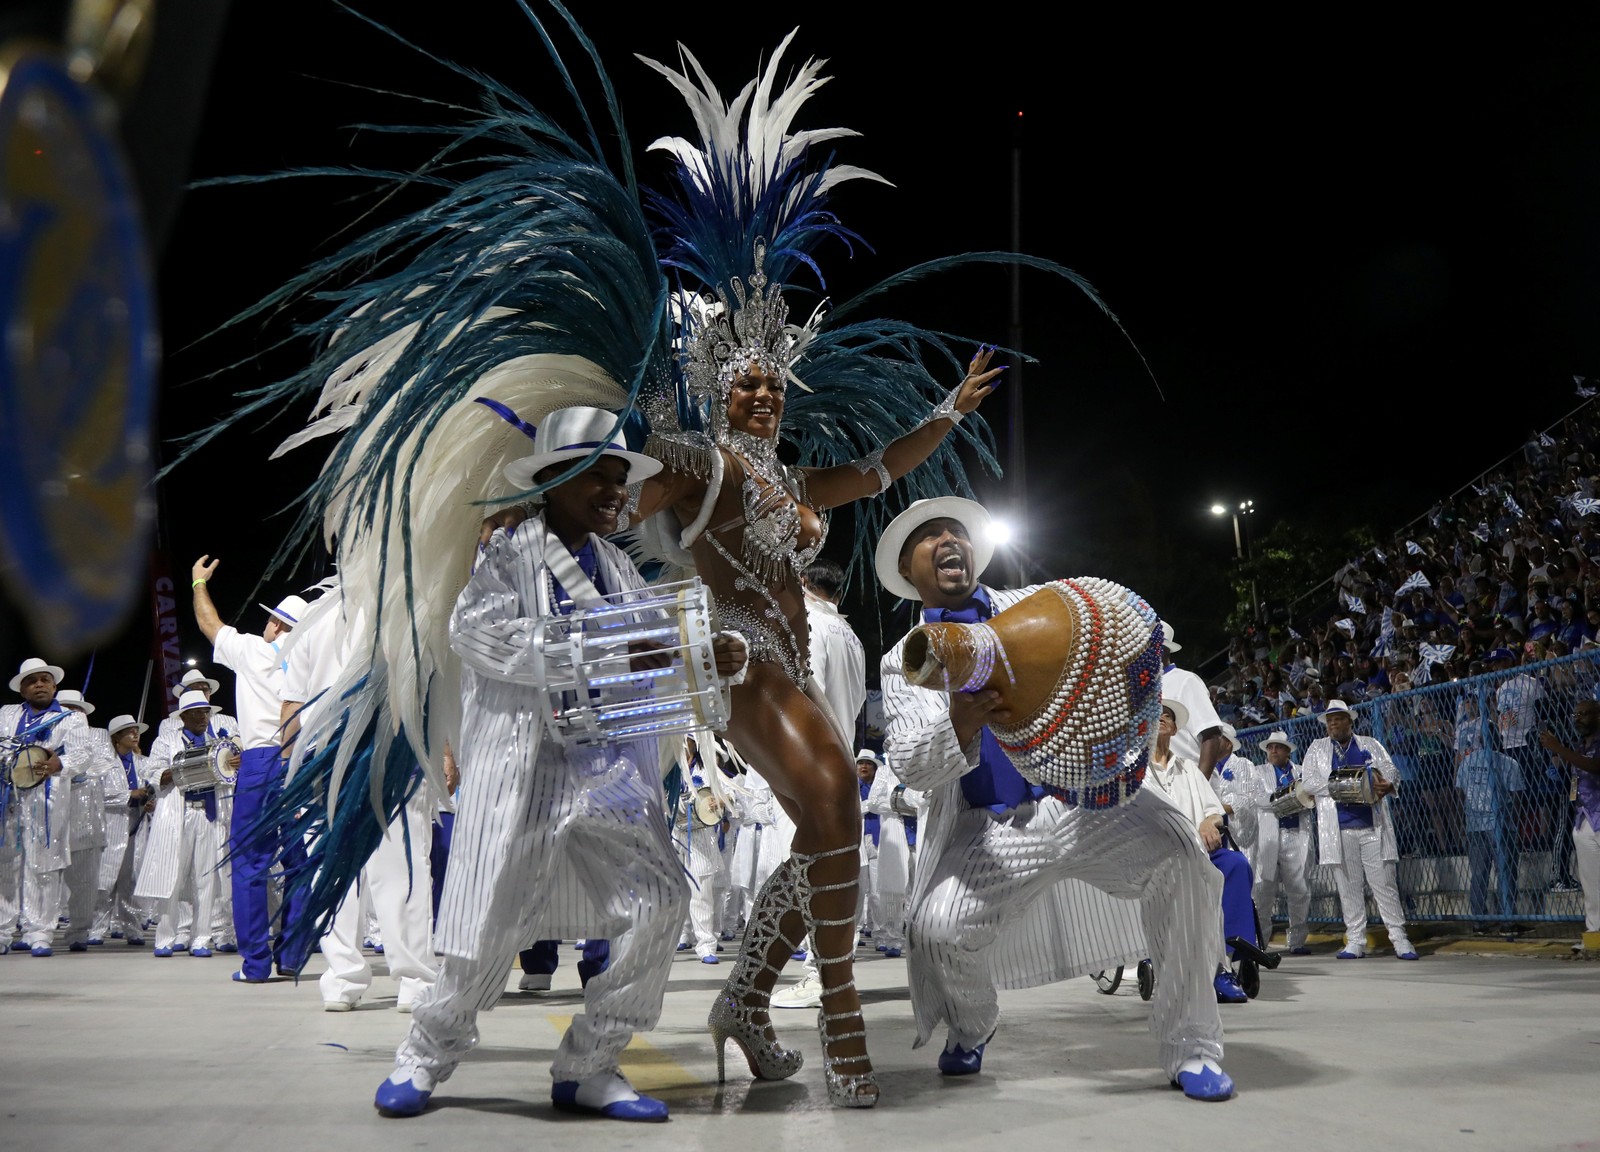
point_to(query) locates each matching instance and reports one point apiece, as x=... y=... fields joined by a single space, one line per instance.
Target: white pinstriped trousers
x=992 y=869
x=611 y=829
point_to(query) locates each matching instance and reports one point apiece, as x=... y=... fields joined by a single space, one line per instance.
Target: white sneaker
x=530 y=983
x=337 y=1006
x=806 y=994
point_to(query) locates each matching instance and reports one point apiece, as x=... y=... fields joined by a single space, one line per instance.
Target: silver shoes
x=732 y=1018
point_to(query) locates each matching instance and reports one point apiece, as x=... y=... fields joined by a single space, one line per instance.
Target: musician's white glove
x=732 y=650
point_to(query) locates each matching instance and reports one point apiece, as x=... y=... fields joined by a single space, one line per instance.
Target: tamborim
x=597 y=696
x=1078 y=666
x=224 y=761
x=707 y=808
x=1291 y=800
x=25 y=766
x=192 y=771
x=1351 y=786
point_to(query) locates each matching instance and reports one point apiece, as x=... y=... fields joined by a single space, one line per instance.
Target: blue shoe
x=134 y=941
x=610 y=1095
x=95 y=942
x=162 y=952
x=181 y=946
x=1203 y=1083
x=709 y=960
x=1407 y=956
x=377 y=949
x=892 y=953
x=77 y=946
x=1347 y=955
x=116 y=935
x=42 y=950
x=883 y=947
x=866 y=935
x=241 y=978
x=1300 y=950
x=800 y=956
x=958 y=1061
x=202 y=952
x=683 y=946
x=1228 y=990
x=227 y=947
x=402 y=1099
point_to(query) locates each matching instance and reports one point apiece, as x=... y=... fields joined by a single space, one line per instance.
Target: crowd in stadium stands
x=1504 y=573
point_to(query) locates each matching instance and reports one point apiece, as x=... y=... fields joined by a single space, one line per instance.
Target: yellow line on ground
x=648 y=1068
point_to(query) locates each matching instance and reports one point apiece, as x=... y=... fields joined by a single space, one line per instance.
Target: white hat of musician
x=31 y=665
x=189 y=701
x=122 y=723
x=971 y=515
x=869 y=755
x=1336 y=706
x=571 y=434
x=72 y=698
x=191 y=679
x=1231 y=733
x=1180 y=713
x=289 y=612
x=1168 y=642
x=1278 y=736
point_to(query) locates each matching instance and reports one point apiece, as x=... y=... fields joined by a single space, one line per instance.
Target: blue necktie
x=995 y=783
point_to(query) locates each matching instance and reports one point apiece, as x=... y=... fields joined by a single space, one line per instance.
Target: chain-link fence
x=1483 y=814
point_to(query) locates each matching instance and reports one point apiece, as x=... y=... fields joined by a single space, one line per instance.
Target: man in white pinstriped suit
x=540 y=825
x=1002 y=891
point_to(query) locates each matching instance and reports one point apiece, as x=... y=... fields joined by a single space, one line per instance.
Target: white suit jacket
x=1316 y=767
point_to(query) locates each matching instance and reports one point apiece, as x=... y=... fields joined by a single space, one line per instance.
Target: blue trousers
x=1238 y=910
x=545 y=955
x=439 y=857
x=259 y=782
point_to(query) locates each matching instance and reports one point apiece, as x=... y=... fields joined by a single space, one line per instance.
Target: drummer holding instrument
x=42 y=746
x=1283 y=841
x=186 y=836
x=1352 y=778
x=1002 y=891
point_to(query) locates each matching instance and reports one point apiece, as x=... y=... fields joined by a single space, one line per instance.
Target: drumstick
x=144 y=696
x=89 y=675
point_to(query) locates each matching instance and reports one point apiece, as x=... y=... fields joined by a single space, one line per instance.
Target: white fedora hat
x=869 y=754
x=31 y=665
x=118 y=723
x=1231 y=733
x=192 y=700
x=1167 y=641
x=569 y=434
x=72 y=698
x=290 y=610
x=1336 y=706
x=192 y=677
x=1278 y=736
x=1179 y=712
x=971 y=515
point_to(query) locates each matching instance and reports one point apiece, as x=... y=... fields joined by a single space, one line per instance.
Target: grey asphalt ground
x=114 y=1049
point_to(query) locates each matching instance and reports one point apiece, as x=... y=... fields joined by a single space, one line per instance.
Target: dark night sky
x=1361 y=259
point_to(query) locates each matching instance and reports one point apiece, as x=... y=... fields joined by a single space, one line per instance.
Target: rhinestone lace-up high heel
x=849 y=1089
x=732 y=1016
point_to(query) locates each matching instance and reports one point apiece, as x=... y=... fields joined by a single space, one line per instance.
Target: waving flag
x=1511 y=506
x=1378 y=552
x=1585 y=507
x=1481 y=532
x=1413 y=548
x=1480 y=491
x=1353 y=603
x=1413 y=582
x=1546 y=441
x=1586 y=393
x=1347 y=626
x=1427 y=656
x=1293 y=635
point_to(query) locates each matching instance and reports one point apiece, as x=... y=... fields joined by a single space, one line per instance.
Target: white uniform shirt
x=313 y=655
x=1180 y=782
x=257 y=684
x=838 y=663
x=1190 y=691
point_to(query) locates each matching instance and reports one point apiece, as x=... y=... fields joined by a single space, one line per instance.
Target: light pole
x=1241 y=540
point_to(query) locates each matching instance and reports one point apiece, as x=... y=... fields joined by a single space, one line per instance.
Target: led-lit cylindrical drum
x=597 y=689
x=1078 y=666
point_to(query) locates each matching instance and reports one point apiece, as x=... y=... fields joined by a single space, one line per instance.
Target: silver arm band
x=874 y=463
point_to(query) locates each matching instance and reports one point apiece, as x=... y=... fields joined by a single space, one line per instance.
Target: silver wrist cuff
x=874 y=463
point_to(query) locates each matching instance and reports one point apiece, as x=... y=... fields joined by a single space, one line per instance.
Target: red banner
x=164 y=636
